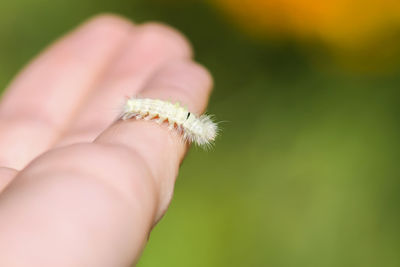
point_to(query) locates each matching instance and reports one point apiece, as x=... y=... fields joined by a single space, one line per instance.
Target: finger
x=149 y=47
x=161 y=149
x=6 y=175
x=44 y=97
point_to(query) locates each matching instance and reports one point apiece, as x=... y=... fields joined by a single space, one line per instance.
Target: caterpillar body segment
x=200 y=130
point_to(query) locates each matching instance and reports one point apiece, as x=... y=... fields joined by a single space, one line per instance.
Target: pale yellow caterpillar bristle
x=201 y=130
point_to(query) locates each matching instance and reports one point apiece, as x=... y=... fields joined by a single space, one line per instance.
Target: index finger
x=181 y=81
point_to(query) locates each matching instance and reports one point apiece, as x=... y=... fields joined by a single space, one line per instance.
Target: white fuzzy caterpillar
x=200 y=130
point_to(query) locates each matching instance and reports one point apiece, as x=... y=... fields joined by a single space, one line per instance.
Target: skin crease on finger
x=6 y=175
x=93 y=204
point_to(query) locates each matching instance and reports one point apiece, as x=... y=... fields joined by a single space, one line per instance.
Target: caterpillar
x=200 y=130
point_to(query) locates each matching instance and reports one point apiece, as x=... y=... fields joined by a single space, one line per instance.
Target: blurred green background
x=306 y=171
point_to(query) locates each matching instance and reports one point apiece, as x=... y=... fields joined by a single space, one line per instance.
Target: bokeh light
x=362 y=33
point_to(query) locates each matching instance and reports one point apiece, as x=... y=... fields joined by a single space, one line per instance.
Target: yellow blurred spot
x=347 y=26
x=340 y=21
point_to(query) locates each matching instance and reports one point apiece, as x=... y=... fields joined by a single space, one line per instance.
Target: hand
x=76 y=187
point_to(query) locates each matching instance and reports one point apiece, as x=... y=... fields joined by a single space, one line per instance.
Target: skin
x=78 y=188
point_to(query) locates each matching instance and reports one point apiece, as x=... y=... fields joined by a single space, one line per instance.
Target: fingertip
x=104 y=30
x=163 y=34
x=108 y=21
x=204 y=75
x=184 y=81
